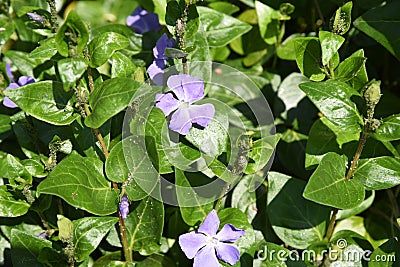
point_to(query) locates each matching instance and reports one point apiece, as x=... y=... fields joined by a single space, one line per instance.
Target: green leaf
x=144 y=226
x=81 y=183
x=46 y=50
x=121 y=66
x=118 y=171
x=287 y=49
x=268 y=22
x=308 y=57
x=107 y=100
x=52 y=103
x=333 y=100
x=26 y=249
x=9 y=206
x=16 y=173
x=369 y=200
x=70 y=70
x=65 y=228
x=387 y=253
x=103 y=46
x=330 y=44
x=194 y=207
x=75 y=29
x=341 y=21
x=88 y=233
x=156 y=260
x=297 y=221
x=35 y=167
x=361 y=78
x=378 y=173
x=328 y=185
x=260 y=153
x=220 y=29
x=349 y=68
x=244 y=196
x=22 y=61
x=223 y=7
x=382 y=23
x=389 y=130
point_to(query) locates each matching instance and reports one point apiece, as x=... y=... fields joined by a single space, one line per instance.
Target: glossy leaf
x=17 y=174
x=349 y=68
x=378 y=173
x=88 y=233
x=333 y=100
x=75 y=27
x=26 y=249
x=296 y=220
x=121 y=66
x=156 y=260
x=46 y=50
x=328 y=185
x=260 y=153
x=268 y=22
x=103 y=46
x=52 y=103
x=71 y=69
x=330 y=44
x=109 y=99
x=361 y=78
x=23 y=61
x=387 y=253
x=224 y=7
x=9 y=206
x=244 y=196
x=381 y=24
x=219 y=28
x=118 y=171
x=187 y=197
x=389 y=130
x=144 y=226
x=308 y=57
x=341 y=21
x=81 y=183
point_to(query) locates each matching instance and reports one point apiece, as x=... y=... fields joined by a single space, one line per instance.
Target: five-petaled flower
x=23 y=80
x=156 y=69
x=206 y=246
x=185 y=91
x=143 y=21
x=124 y=206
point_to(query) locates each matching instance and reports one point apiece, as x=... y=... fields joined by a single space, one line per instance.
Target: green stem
x=331 y=225
x=222 y=195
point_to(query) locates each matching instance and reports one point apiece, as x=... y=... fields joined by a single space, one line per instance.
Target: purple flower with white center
x=23 y=80
x=143 y=21
x=206 y=246
x=36 y=17
x=124 y=206
x=186 y=90
x=156 y=69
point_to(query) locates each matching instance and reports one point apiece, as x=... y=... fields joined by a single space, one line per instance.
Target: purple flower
x=143 y=21
x=23 y=80
x=36 y=17
x=44 y=235
x=124 y=206
x=185 y=91
x=156 y=69
x=206 y=246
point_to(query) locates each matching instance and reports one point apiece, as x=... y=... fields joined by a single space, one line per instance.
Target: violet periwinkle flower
x=124 y=206
x=143 y=21
x=23 y=80
x=156 y=69
x=36 y=17
x=44 y=235
x=186 y=90
x=206 y=246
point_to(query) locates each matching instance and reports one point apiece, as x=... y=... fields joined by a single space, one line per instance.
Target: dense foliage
x=185 y=132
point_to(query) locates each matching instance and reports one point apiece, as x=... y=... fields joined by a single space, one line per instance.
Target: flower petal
x=230 y=233
x=124 y=206
x=156 y=71
x=181 y=121
x=210 y=224
x=162 y=43
x=227 y=253
x=206 y=257
x=202 y=114
x=186 y=87
x=8 y=103
x=9 y=73
x=24 y=80
x=167 y=103
x=143 y=21
x=12 y=86
x=191 y=243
